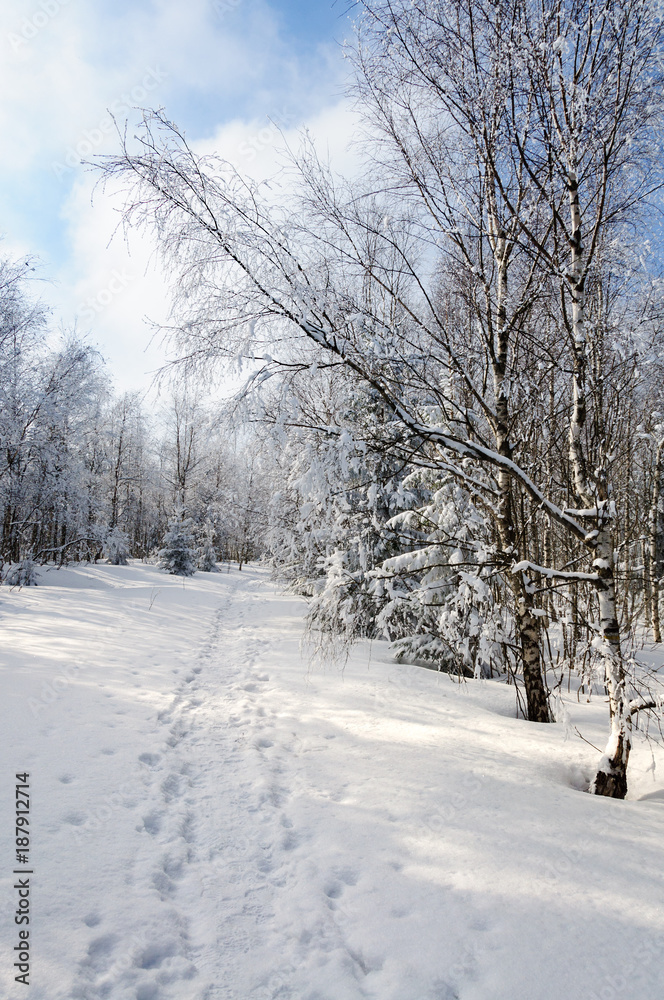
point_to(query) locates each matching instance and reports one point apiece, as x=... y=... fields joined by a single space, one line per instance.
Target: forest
x=89 y=474
x=450 y=428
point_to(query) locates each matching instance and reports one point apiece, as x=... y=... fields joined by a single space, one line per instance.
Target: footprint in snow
x=164 y=885
x=151 y=759
x=172 y=867
x=152 y=823
x=155 y=954
x=367 y=964
x=290 y=841
x=66 y=779
x=348 y=876
x=170 y=787
x=273 y=795
x=336 y=886
x=263 y=744
x=99 y=952
x=75 y=818
x=187 y=829
x=92 y=920
x=177 y=733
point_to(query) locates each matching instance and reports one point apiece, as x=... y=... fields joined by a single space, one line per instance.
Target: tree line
x=86 y=474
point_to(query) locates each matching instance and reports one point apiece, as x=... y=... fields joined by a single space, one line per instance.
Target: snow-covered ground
x=213 y=818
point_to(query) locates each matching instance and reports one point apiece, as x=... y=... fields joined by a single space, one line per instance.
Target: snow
x=213 y=817
x=526 y=566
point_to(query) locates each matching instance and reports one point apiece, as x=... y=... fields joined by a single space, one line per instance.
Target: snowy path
x=249 y=873
x=213 y=819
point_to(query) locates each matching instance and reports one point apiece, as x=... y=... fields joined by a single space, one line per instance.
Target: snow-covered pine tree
x=339 y=483
x=345 y=600
x=178 y=555
x=207 y=554
x=439 y=595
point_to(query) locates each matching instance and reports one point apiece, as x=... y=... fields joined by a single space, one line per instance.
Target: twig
x=587 y=741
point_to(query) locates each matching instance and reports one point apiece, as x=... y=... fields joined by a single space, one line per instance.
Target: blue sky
x=222 y=69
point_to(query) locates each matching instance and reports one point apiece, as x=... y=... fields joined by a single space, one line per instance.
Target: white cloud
x=58 y=81
x=110 y=286
x=256 y=146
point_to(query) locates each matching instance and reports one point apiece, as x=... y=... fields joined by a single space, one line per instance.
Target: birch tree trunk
x=653 y=568
x=611 y=777
x=526 y=624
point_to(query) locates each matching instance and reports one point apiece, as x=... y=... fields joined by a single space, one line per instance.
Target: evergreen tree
x=178 y=555
x=207 y=555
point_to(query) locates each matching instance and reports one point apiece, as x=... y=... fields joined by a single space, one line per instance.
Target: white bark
x=611 y=777
x=654 y=519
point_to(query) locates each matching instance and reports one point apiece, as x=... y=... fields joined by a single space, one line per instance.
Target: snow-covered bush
x=178 y=554
x=21 y=574
x=116 y=547
x=207 y=555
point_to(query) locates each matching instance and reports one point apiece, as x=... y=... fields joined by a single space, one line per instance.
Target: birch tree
x=594 y=154
x=654 y=568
